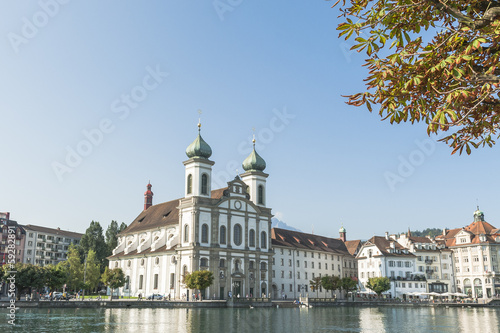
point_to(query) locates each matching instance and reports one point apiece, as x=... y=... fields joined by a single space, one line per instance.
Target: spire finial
x=253 y=140
x=199 y=120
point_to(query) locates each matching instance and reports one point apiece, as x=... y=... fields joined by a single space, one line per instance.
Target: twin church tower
x=226 y=231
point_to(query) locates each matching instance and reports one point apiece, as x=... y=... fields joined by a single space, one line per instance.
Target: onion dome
x=199 y=148
x=478 y=215
x=342 y=229
x=254 y=162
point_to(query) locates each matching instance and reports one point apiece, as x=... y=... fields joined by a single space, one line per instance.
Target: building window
x=222 y=263
x=223 y=235
x=141 y=280
x=186 y=233
x=172 y=280
x=204 y=184
x=261 y=195
x=263 y=265
x=204 y=262
x=251 y=237
x=155 y=283
x=157 y=261
x=190 y=184
x=263 y=240
x=204 y=233
x=237 y=234
x=250 y=264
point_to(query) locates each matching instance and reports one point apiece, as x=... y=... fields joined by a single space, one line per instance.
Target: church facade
x=226 y=231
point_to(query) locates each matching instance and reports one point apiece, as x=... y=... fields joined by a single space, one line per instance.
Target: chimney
x=8 y=216
x=148 y=197
x=387 y=235
x=444 y=231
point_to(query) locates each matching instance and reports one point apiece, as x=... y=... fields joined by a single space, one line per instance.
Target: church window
x=263 y=240
x=204 y=233
x=237 y=234
x=204 y=184
x=172 y=280
x=222 y=263
x=250 y=265
x=186 y=233
x=157 y=260
x=263 y=265
x=260 y=195
x=223 y=235
x=141 y=280
x=184 y=270
x=155 y=284
x=190 y=184
x=204 y=262
x=251 y=237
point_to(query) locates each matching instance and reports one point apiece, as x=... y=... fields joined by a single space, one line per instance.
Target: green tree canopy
x=379 y=284
x=113 y=278
x=315 y=283
x=331 y=283
x=112 y=235
x=431 y=61
x=56 y=276
x=93 y=239
x=92 y=271
x=348 y=284
x=74 y=268
x=27 y=276
x=198 y=279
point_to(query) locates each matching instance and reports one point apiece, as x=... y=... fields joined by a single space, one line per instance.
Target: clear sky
x=119 y=83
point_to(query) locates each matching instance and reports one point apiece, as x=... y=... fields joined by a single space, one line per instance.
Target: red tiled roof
x=384 y=246
x=352 y=246
x=300 y=240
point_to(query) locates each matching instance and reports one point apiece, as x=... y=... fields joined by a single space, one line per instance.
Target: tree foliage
x=379 y=284
x=315 y=283
x=93 y=239
x=55 y=276
x=74 y=268
x=26 y=276
x=330 y=283
x=112 y=235
x=113 y=278
x=433 y=61
x=92 y=271
x=432 y=232
x=198 y=279
x=348 y=284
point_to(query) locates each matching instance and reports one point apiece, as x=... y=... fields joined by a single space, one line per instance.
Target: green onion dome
x=342 y=229
x=254 y=162
x=199 y=148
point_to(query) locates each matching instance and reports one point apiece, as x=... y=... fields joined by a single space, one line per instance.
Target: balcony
x=428 y=261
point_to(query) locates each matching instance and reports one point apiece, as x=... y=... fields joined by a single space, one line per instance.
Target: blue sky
x=277 y=67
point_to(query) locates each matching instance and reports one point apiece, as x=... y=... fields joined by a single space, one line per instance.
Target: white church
x=226 y=231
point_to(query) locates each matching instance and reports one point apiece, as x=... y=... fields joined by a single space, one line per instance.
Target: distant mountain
x=282 y=225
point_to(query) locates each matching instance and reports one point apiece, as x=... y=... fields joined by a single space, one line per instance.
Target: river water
x=338 y=319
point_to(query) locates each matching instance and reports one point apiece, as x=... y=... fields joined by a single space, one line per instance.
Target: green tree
x=74 y=268
x=55 y=276
x=92 y=271
x=447 y=76
x=111 y=237
x=330 y=283
x=26 y=278
x=199 y=280
x=94 y=239
x=379 y=284
x=113 y=278
x=315 y=283
x=348 y=284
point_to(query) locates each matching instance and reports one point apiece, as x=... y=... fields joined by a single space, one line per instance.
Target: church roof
x=160 y=215
x=300 y=240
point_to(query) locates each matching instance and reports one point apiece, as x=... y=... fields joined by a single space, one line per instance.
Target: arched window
x=263 y=240
x=204 y=233
x=204 y=184
x=222 y=263
x=237 y=234
x=184 y=270
x=190 y=184
x=222 y=235
x=260 y=195
x=186 y=233
x=204 y=262
x=251 y=237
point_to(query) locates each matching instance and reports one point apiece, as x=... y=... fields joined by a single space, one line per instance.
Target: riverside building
x=476 y=253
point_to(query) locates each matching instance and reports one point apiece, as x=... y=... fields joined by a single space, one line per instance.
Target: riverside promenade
x=236 y=303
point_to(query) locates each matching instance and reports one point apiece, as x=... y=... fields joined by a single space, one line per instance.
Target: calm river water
x=343 y=319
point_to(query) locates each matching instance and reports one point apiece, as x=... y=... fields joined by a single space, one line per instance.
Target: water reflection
x=342 y=319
